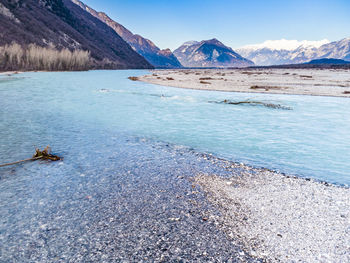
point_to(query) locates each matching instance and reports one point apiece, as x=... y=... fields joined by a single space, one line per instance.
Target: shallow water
x=75 y=112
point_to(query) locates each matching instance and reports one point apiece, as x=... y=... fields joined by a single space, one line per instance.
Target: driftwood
x=133 y=78
x=44 y=155
x=267 y=88
x=254 y=103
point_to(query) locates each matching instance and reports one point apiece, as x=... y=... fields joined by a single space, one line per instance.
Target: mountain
x=145 y=47
x=209 y=53
x=329 y=61
x=279 y=52
x=337 y=49
x=60 y=24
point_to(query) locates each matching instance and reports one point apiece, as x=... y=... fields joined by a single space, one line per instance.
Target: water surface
x=311 y=140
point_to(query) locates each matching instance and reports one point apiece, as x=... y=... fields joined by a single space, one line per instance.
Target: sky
x=169 y=23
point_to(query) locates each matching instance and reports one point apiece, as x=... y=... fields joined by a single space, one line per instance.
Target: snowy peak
x=190 y=43
x=284 y=44
x=278 y=52
x=213 y=41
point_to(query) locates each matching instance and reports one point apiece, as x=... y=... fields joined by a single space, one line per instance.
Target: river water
x=310 y=140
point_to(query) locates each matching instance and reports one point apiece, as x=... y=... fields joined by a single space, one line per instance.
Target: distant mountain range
x=209 y=53
x=62 y=24
x=145 y=47
x=283 y=51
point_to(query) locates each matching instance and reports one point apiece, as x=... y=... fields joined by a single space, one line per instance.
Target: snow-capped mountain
x=337 y=49
x=209 y=53
x=284 y=44
x=277 y=52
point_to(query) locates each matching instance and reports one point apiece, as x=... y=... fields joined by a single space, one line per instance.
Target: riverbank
x=10 y=73
x=281 y=218
x=317 y=82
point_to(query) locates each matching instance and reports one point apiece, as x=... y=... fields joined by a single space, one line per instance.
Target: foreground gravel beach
x=136 y=202
x=318 y=82
x=282 y=218
x=164 y=203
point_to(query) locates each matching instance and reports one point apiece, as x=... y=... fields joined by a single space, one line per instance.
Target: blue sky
x=236 y=23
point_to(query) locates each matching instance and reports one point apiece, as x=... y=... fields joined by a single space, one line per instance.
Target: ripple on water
x=310 y=140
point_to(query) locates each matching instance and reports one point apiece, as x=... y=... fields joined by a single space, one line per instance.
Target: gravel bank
x=124 y=200
x=282 y=218
x=325 y=82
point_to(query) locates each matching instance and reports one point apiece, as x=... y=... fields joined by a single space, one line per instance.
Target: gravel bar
x=316 y=82
x=282 y=218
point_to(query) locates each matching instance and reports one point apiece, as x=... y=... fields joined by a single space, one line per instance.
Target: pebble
x=279 y=218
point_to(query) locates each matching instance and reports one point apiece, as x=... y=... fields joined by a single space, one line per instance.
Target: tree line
x=34 y=57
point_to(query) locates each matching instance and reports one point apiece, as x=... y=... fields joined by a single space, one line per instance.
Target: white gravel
x=319 y=82
x=282 y=218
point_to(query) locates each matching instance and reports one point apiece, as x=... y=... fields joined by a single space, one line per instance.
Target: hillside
x=145 y=47
x=60 y=24
x=329 y=61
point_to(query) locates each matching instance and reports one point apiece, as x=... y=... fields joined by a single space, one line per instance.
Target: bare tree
x=33 y=57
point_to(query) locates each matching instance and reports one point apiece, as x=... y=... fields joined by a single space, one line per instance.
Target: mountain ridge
x=285 y=44
x=145 y=47
x=265 y=56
